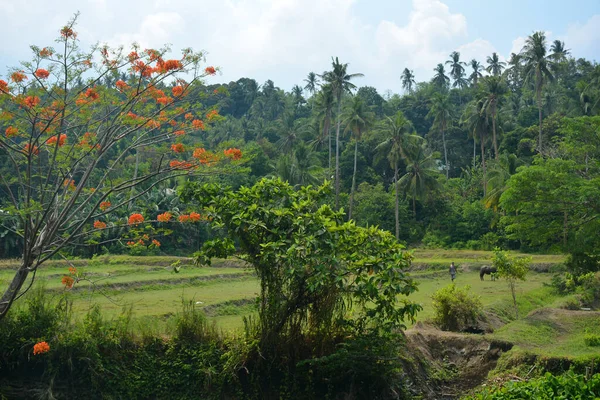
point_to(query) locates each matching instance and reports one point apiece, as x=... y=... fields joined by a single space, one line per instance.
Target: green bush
x=591 y=339
x=548 y=387
x=455 y=309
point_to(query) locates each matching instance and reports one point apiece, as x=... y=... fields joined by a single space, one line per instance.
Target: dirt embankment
x=458 y=362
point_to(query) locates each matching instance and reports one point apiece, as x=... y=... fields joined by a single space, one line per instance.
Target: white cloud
x=584 y=40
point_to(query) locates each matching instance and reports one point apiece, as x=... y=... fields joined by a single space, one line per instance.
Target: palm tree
x=408 y=80
x=421 y=175
x=289 y=131
x=513 y=72
x=476 y=74
x=312 y=81
x=297 y=96
x=457 y=69
x=499 y=173
x=358 y=119
x=324 y=102
x=559 y=52
x=477 y=125
x=495 y=66
x=493 y=91
x=441 y=112
x=399 y=141
x=440 y=79
x=340 y=81
x=537 y=67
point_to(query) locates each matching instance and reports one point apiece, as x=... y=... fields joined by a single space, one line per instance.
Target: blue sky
x=283 y=40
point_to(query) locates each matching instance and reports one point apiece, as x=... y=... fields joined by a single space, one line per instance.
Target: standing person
x=452 y=271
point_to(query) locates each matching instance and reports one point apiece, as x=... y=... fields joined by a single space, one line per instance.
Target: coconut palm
x=476 y=74
x=537 y=65
x=559 y=52
x=477 y=124
x=457 y=70
x=312 y=82
x=495 y=66
x=324 y=103
x=421 y=175
x=492 y=93
x=340 y=81
x=399 y=141
x=442 y=112
x=297 y=96
x=439 y=78
x=408 y=80
x=499 y=173
x=358 y=118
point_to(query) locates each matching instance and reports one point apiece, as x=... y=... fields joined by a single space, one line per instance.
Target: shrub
x=591 y=340
x=456 y=308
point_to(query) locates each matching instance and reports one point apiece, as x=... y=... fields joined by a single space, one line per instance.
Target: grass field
x=149 y=287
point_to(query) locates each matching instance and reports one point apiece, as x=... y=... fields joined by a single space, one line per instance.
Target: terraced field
x=151 y=288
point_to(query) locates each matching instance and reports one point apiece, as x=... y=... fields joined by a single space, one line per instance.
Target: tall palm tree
x=499 y=173
x=495 y=66
x=457 y=69
x=324 y=103
x=559 y=52
x=297 y=96
x=399 y=141
x=476 y=74
x=408 y=80
x=421 y=175
x=514 y=72
x=477 y=122
x=289 y=130
x=537 y=65
x=358 y=119
x=441 y=111
x=439 y=78
x=312 y=81
x=493 y=91
x=340 y=81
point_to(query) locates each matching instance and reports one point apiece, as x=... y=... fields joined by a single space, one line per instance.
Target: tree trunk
x=474 y=150
x=494 y=135
x=135 y=174
x=397 y=201
x=337 y=155
x=483 y=166
x=13 y=289
x=353 y=181
x=326 y=131
x=514 y=296
x=446 y=166
x=539 y=103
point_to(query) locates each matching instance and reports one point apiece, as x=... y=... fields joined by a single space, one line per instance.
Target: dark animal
x=487 y=270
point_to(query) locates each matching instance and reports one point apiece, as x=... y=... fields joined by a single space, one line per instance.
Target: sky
x=284 y=40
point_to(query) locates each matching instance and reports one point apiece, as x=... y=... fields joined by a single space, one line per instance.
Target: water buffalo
x=487 y=270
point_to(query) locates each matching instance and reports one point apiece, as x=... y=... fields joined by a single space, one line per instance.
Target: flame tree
x=65 y=136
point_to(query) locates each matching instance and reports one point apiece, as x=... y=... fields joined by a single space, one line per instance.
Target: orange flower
x=61 y=140
x=170 y=65
x=3 y=86
x=212 y=115
x=18 y=76
x=198 y=124
x=130 y=243
x=121 y=85
x=91 y=94
x=189 y=116
x=99 y=225
x=135 y=219
x=163 y=100
x=70 y=183
x=45 y=52
x=34 y=150
x=178 y=148
x=179 y=133
x=67 y=32
x=68 y=281
x=40 y=348
x=31 y=101
x=105 y=205
x=175 y=164
x=210 y=70
x=133 y=56
x=195 y=217
x=156 y=242
x=73 y=270
x=177 y=91
x=234 y=154
x=11 y=131
x=164 y=217
x=184 y=218
x=42 y=73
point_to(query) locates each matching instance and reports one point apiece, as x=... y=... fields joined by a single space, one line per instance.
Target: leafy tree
x=456 y=309
x=310 y=264
x=495 y=66
x=340 y=81
x=312 y=82
x=68 y=138
x=513 y=270
x=421 y=175
x=442 y=113
x=324 y=106
x=492 y=93
x=457 y=70
x=559 y=51
x=537 y=64
x=408 y=80
x=358 y=119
